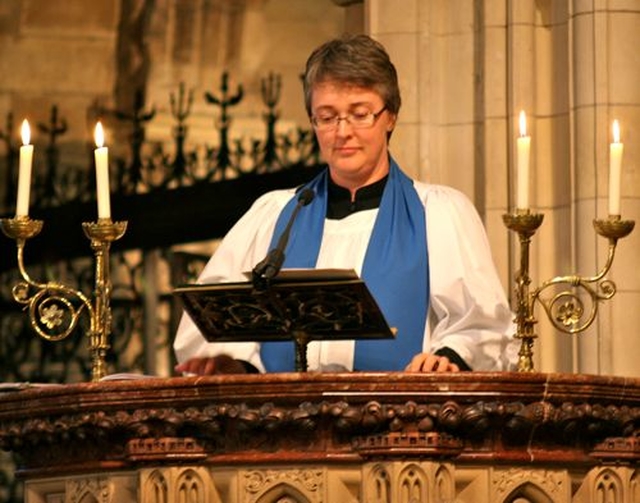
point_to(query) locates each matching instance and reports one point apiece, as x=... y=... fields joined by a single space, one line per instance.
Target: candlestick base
x=525 y=354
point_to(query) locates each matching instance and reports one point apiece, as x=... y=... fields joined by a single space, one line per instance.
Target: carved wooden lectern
x=320 y=437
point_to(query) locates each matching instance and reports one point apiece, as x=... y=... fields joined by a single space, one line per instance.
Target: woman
x=421 y=249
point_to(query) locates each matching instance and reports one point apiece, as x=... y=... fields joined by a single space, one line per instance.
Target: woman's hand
x=427 y=362
x=209 y=365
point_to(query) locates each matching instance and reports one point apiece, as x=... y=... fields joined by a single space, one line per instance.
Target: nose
x=343 y=124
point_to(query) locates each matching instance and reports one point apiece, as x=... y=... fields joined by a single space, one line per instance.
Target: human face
x=356 y=156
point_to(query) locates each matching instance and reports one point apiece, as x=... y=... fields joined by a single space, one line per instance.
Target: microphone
x=269 y=266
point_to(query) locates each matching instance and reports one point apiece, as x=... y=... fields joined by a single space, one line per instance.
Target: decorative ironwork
x=224 y=102
x=180 y=110
x=270 y=88
x=131 y=176
x=159 y=170
x=55 y=128
x=6 y=137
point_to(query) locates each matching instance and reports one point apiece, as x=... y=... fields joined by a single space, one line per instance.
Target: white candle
x=523 y=150
x=102 y=174
x=24 y=173
x=615 y=170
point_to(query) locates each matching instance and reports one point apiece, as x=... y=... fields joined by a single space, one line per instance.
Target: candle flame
x=616 y=131
x=523 y=123
x=99 y=135
x=26 y=132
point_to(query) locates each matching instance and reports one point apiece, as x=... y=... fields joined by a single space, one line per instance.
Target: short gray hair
x=355 y=60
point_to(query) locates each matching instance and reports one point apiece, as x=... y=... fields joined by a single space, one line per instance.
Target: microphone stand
x=270 y=266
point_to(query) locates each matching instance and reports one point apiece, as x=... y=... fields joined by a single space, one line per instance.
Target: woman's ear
x=392 y=122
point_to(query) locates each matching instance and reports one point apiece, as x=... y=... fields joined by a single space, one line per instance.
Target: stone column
x=605 y=87
x=455 y=124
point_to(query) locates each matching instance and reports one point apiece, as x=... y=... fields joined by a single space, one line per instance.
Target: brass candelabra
x=565 y=309
x=55 y=309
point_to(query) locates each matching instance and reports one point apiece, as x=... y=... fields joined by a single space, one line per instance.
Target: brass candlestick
x=54 y=308
x=566 y=309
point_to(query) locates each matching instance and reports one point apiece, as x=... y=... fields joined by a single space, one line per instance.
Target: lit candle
x=102 y=174
x=24 y=173
x=615 y=168
x=524 y=147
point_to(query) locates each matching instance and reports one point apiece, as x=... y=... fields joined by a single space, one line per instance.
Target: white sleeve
x=469 y=311
x=241 y=249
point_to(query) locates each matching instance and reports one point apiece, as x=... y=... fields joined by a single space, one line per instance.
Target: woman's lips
x=346 y=150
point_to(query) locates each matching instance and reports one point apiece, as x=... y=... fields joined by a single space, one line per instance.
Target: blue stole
x=395 y=270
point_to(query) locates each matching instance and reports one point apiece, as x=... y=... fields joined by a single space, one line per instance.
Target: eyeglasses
x=357 y=120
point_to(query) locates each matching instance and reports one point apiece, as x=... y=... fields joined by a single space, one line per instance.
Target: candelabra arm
x=21 y=229
x=54 y=309
x=20 y=244
x=567 y=309
x=575 y=280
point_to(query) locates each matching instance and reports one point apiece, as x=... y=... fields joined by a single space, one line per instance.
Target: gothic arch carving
x=191 y=487
x=156 y=489
x=608 y=487
x=378 y=487
x=528 y=493
x=534 y=486
x=413 y=484
x=283 y=493
x=284 y=486
x=91 y=490
x=444 y=486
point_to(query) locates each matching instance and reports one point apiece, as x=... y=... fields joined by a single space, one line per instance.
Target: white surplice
x=468 y=310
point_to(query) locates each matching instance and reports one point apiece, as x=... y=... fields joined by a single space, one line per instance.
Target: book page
x=311 y=274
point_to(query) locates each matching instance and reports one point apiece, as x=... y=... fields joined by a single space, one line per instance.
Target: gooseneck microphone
x=269 y=266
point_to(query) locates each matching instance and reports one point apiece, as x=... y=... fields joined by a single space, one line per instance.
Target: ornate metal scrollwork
x=566 y=310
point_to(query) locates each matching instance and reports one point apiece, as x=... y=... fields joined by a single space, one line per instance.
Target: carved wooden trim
x=578 y=420
x=616 y=448
x=179 y=449
x=403 y=444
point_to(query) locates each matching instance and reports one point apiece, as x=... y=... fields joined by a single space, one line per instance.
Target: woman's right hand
x=210 y=365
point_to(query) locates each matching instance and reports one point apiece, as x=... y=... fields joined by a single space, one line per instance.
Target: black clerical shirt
x=340 y=205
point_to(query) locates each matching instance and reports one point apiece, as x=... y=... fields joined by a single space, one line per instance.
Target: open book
x=309 y=274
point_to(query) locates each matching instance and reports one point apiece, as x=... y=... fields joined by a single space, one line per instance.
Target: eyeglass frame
x=335 y=120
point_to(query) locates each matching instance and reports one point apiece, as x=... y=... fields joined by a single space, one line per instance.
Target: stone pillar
x=604 y=88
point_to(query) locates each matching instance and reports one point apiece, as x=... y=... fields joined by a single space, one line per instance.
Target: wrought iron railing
x=56 y=183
